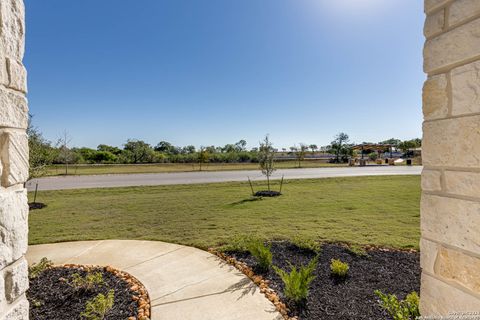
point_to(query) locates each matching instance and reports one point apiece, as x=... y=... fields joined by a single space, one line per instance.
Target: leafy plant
x=36 y=303
x=98 y=307
x=339 y=268
x=407 y=309
x=88 y=282
x=261 y=253
x=297 y=282
x=37 y=268
x=266 y=155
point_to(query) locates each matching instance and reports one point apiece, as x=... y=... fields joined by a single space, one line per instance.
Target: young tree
x=266 y=159
x=203 y=156
x=65 y=154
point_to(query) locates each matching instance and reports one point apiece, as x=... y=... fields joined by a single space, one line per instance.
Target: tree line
x=44 y=153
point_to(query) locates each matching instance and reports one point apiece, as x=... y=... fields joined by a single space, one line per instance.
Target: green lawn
x=361 y=210
x=176 y=167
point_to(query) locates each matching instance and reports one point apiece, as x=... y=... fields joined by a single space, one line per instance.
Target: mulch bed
x=52 y=298
x=391 y=271
x=267 y=194
x=36 y=205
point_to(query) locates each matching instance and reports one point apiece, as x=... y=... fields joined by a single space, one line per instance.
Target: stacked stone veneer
x=450 y=217
x=13 y=163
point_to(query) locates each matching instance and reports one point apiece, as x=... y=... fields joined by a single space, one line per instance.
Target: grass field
x=175 y=167
x=361 y=210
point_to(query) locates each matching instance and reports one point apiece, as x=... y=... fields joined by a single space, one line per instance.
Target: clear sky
x=206 y=72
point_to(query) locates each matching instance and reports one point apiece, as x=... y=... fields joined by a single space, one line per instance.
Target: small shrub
x=373 y=156
x=88 y=282
x=297 y=282
x=339 y=268
x=407 y=309
x=36 y=303
x=261 y=253
x=307 y=244
x=98 y=307
x=37 y=268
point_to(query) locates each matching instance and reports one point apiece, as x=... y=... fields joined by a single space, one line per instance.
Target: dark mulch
x=267 y=194
x=391 y=272
x=36 y=205
x=53 y=299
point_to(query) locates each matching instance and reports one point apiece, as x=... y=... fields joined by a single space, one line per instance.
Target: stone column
x=450 y=209
x=13 y=163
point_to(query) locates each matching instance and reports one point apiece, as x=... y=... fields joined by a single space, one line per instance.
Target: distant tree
x=86 y=154
x=228 y=148
x=300 y=153
x=189 y=149
x=241 y=145
x=104 y=157
x=266 y=160
x=313 y=147
x=407 y=145
x=417 y=142
x=392 y=141
x=106 y=148
x=138 y=151
x=42 y=154
x=340 y=147
x=166 y=147
x=203 y=156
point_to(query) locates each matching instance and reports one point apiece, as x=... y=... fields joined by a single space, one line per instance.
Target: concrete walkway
x=184 y=283
x=153 y=179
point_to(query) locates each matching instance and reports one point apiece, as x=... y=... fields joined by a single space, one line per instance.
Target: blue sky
x=209 y=72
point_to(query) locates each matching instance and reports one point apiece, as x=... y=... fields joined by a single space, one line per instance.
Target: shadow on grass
x=252 y=199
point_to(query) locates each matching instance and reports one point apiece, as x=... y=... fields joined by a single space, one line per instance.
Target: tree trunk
x=268 y=182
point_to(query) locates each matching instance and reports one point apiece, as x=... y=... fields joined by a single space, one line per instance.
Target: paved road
x=183 y=283
x=153 y=179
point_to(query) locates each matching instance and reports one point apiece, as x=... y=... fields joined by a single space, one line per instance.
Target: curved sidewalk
x=183 y=282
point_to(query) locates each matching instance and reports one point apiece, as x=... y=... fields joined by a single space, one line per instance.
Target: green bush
x=373 y=156
x=339 y=268
x=261 y=253
x=88 y=282
x=37 y=268
x=297 y=282
x=400 y=310
x=98 y=307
